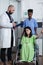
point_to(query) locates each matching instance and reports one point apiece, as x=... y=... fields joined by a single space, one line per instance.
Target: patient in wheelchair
x=27 y=43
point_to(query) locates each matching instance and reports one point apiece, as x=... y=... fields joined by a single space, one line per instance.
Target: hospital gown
x=27 y=50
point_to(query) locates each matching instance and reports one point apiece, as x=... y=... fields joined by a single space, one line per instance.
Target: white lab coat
x=5 y=33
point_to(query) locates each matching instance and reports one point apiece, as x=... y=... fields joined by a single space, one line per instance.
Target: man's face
x=30 y=14
x=11 y=10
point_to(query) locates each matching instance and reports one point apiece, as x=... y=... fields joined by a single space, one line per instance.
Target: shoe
x=2 y=63
x=9 y=63
x=37 y=63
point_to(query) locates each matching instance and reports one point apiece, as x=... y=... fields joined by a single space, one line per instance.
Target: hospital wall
x=36 y=5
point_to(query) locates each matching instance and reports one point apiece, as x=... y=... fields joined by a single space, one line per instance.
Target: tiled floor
x=40 y=62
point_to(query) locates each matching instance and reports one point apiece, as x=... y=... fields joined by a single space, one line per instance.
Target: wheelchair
x=35 y=59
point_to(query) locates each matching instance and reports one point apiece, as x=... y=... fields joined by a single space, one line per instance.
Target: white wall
x=36 y=5
x=39 y=42
x=3 y=5
x=15 y=3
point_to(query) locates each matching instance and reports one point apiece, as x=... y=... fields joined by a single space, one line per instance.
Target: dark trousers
x=9 y=50
x=3 y=54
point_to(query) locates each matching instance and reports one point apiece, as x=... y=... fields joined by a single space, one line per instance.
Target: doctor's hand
x=14 y=25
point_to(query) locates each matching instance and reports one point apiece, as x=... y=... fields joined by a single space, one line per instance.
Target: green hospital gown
x=27 y=50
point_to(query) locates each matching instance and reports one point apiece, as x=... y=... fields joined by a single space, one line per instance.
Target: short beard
x=10 y=12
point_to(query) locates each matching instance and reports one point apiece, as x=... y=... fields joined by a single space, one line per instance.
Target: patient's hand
x=41 y=31
x=1 y=27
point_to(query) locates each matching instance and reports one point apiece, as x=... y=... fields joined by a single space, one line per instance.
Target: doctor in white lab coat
x=7 y=24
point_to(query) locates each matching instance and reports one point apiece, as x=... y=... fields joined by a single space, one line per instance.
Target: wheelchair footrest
x=25 y=63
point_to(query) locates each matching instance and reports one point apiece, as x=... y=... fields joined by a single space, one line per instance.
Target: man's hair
x=30 y=10
x=10 y=6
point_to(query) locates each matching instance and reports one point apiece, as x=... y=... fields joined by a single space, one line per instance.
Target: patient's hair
x=24 y=32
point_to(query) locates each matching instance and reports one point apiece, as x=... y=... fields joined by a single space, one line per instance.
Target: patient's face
x=28 y=31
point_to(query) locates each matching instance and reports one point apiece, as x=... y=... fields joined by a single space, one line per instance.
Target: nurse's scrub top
x=27 y=50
